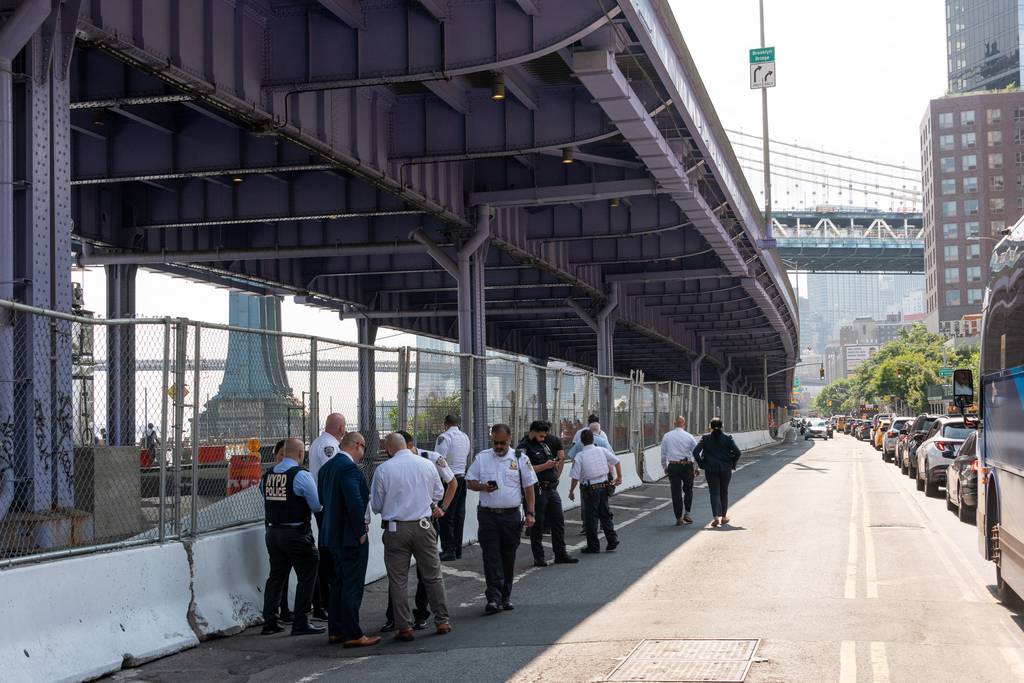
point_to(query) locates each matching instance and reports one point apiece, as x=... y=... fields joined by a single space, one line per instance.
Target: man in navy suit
x=346 y=496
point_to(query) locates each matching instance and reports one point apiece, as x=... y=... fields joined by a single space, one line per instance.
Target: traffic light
x=821 y=372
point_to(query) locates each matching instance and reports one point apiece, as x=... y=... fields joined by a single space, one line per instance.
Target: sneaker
x=419 y=625
x=687 y=518
x=389 y=626
x=507 y=606
x=491 y=608
x=566 y=560
x=715 y=522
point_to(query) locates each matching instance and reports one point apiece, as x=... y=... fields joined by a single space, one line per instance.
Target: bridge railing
x=163 y=427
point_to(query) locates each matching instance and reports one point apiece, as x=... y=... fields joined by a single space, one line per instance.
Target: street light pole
x=769 y=239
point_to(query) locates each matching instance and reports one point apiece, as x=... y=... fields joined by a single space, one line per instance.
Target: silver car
x=891 y=437
x=817 y=429
x=938 y=450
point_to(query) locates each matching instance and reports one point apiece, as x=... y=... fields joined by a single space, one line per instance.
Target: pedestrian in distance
x=323 y=448
x=593 y=469
x=547 y=458
x=453 y=445
x=679 y=464
x=289 y=499
x=421 y=610
x=404 y=492
x=717 y=454
x=505 y=482
x=344 y=534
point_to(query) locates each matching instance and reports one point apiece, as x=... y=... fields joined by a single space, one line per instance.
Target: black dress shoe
x=308 y=630
x=507 y=606
x=389 y=626
x=540 y=563
x=612 y=546
x=491 y=608
x=448 y=557
x=566 y=560
x=590 y=551
x=271 y=629
x=320 y=614
x=286 y=617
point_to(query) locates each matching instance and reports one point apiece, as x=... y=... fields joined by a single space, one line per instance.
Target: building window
x=948 y=164
x=996 y=205
x=1018 y=136
x=946 y=119
x=1018 y=115
x=948 y=209
x=1020 y=203
x=972 y=229
x=970 y=184
x=946 y=143
x=994 y=116
x=995 y=183
x=974 y=274
x=973 y=251
x=997 y=228
x=952 y=276
x=952 y=297
x=967 y=118
x=995 y=138
x=950 y=231
x=951 y=253
x=969 y=162
x=1019 y=160
x=971 y=207
x=948 y=186
x=995 y=161
x=974 y=296
x=968 y=140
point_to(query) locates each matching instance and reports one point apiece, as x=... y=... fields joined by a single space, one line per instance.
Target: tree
x=429 y=417
x=838 y=392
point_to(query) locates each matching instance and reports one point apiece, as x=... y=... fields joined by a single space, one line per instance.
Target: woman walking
x=717 y=454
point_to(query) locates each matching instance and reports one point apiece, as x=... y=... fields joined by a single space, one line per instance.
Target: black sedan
x=962 y=480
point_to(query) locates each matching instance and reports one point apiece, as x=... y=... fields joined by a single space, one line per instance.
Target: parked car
x=915 y=435
x=891 y=436
x=879 y=434
x=864 y=431
x=818 y=429
x=876 y=426
x=841 y=421
x=962 y=480
x=937 y=450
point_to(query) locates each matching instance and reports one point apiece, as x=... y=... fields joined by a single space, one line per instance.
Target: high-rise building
x=972 y=166
x=983 y=44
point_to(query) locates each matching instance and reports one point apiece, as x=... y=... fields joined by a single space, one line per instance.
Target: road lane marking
x=633 y=495
x=879 y=662
x=850 y=589
x=848 y=662
x=870 y=566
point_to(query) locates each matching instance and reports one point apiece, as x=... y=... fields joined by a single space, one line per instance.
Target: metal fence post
x=180 y=360
x=403 y=389
x=587 y=408
x=556 y=412
x=194 y=487
x=162 y=455
x=314 y=392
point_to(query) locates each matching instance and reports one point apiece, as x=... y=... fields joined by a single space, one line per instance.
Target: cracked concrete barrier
x=229 y=571
x=82 y=617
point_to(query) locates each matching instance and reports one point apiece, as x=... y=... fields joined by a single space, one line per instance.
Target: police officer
x=453 y=446
x=547 y=465
x=679 y=464
x=289 y=499
x=505 y=481
x=323 y=448
x=592 y=470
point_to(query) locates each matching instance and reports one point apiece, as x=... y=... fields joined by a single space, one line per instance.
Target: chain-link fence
x=122 y=432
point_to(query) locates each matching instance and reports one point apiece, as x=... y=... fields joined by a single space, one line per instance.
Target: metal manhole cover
x=688 y=659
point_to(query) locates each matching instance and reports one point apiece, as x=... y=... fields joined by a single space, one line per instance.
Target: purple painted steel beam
x=349 y=11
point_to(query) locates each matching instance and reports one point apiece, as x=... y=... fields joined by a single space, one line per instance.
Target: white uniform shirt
x=453 y=444
x=444 y=470
x=511 y=473
x=677 y=444
x=404 y=487
x=323 y=448
x=593 y=464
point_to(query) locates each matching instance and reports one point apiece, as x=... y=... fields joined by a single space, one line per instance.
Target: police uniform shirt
x=323 y=448
x=303 y=485
x=677 y=444
x=453 y=445
x=511 y=472
x=404 y=487
x=444 y=470
x=591 y=465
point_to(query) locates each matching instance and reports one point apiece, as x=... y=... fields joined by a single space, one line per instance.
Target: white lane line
x=462 y=573
x=879 y=662
x=850 y=589
x=633 y=495
x=848 y=662
x=870 y=566
x=616 y=506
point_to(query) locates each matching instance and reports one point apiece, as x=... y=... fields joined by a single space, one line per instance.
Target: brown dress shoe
x=444 y=627
x=363 y=641
x=725 y=520
x=714 y=522
x=405 y=635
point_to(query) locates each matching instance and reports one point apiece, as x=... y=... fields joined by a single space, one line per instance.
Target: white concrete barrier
x=653 y=471
x=229 y=573
x=83 y=617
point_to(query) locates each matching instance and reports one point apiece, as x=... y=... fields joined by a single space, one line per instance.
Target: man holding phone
x=505 y=481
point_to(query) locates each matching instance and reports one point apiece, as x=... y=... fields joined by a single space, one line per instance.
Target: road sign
x=945 y=372
x=759 y=55
x=172 y=391
x=762 y=68
x=796 y=382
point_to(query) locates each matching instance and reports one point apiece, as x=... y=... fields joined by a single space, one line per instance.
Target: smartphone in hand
x=493 y=485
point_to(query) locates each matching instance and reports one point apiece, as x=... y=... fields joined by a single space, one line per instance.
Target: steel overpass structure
x=850 y=241
x=549 y=179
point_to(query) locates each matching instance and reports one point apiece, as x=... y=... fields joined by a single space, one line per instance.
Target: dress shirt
x=453 y=444
x=511 y=473
x=303 y=484
x=321 y=450
x=444 y=470
x=677 y=444
x=593 y=465
x=599 y=440
x=404 y=487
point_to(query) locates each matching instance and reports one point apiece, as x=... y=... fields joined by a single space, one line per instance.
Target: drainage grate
x=685 y=660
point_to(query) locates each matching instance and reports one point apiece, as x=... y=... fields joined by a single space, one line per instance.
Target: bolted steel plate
x=683 y=660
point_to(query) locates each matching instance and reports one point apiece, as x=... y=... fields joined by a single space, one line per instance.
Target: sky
x=854 y=76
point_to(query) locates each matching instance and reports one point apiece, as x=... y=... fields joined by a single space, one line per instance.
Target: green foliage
x=429 y=417
x=837 y=392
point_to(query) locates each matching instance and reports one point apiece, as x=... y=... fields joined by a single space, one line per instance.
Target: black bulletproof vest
x=281 y=505
x=539 y=453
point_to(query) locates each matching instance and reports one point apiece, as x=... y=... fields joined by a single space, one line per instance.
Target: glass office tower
x=983 y=40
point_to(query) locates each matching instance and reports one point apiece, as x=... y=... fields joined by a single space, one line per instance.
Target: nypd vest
x=281 y=505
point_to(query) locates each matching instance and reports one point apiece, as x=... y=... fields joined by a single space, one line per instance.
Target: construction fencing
x=159 y=429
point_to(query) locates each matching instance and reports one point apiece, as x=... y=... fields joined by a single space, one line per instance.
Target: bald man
x=323 y=448
x=679 y=464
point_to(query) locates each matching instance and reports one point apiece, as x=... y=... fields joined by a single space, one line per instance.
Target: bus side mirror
x=963 y=385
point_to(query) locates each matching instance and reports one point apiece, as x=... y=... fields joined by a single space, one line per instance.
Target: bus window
x=1012 y=347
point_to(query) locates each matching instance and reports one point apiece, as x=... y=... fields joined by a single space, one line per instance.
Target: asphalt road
x=833 y=563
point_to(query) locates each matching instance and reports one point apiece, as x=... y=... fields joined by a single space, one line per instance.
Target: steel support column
x=121 y=356
x=605 y=321
x=366 y=332
x=476 y=250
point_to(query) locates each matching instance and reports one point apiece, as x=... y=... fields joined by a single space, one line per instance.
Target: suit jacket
x=345 y=496
x=717 y=454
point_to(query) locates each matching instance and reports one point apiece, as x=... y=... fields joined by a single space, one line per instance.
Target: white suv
x=817 y=429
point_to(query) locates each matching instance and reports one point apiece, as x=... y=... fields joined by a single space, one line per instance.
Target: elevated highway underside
x=406 y=164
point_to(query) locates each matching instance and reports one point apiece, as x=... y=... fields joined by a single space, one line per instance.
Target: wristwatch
x=530 y=514
x=442 y=507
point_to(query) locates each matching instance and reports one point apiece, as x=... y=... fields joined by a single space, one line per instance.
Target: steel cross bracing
x=837 y=240
x=347 y=151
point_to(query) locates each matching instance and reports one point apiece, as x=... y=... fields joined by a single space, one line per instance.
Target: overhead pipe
x=215 y=255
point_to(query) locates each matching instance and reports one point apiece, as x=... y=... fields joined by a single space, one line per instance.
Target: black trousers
x=325 y=573
x=680 y=480
x=290 y=547
x=499 y=539
x=450 y=526
x=549 y=512
x=595 y=509
x=349 y=565
x=421 y=608
x=718 y=487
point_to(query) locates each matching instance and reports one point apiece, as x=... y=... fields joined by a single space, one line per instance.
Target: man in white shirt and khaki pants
x=405 y=492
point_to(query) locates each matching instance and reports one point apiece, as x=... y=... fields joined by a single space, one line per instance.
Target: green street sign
x=945 y=372
x=762 y=54
x=796 y=382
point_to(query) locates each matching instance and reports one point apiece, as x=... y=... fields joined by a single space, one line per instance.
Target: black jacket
x=717 y=454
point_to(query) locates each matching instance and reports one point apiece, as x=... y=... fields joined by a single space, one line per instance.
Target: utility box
x=108 y=486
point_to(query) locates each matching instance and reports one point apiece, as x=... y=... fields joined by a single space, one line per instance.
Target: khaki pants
x=409 y=540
